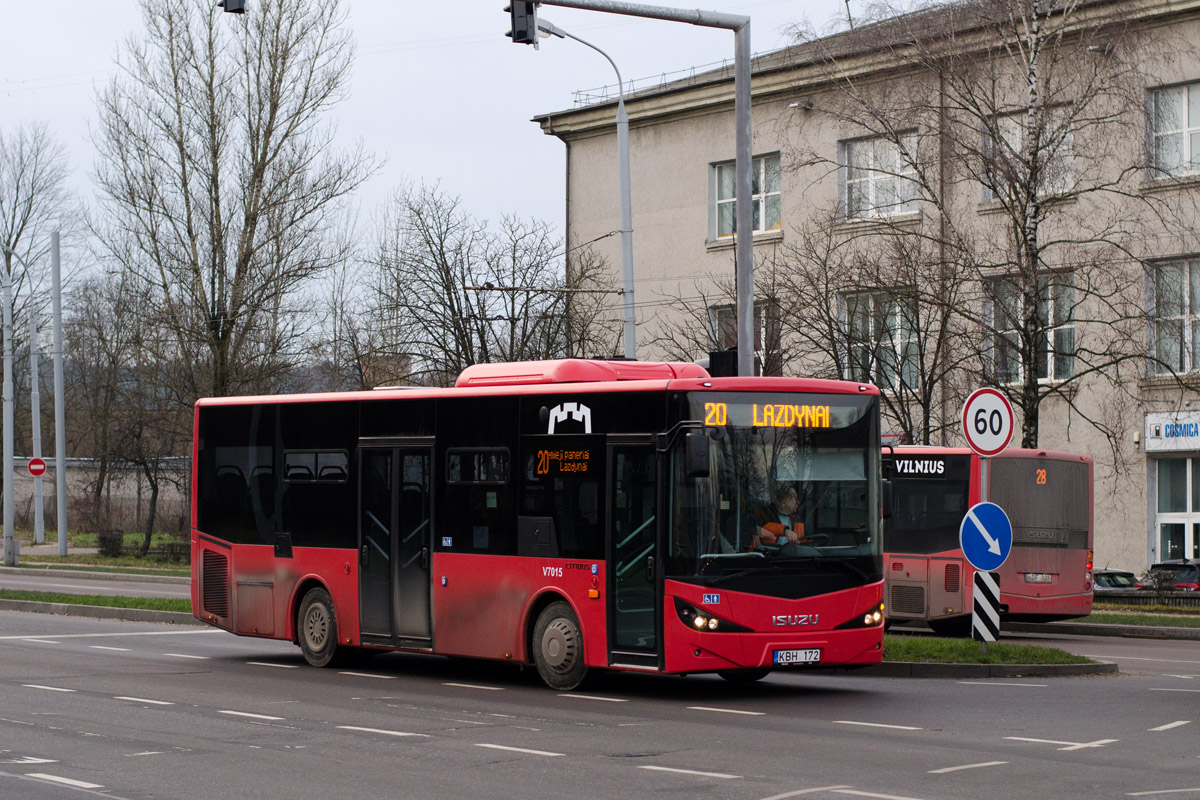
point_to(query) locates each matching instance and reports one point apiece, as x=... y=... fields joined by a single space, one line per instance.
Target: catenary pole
x=743 y=213
x=60 y=425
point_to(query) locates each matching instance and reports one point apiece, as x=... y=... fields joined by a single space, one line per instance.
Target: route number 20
x=716 y=414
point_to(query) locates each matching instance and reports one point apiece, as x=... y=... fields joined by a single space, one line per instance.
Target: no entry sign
x=37 y=467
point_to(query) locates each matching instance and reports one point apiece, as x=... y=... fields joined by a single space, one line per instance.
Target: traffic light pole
x=743 y=250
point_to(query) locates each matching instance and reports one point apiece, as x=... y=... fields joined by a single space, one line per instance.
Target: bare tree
x=1013 y=129
x=455 y=291
x=218 y=182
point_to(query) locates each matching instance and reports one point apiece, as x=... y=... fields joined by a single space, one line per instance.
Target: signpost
x=985 y=534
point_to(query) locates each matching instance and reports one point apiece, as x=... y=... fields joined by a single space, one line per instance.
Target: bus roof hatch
x=575 y=370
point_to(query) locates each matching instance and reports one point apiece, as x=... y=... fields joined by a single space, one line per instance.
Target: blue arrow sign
x=985 y=536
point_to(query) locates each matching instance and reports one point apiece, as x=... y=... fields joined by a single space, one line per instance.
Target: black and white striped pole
x=985 y=614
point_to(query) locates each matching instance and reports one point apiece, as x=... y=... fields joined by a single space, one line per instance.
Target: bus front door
x=395 y=527
x=634 y=593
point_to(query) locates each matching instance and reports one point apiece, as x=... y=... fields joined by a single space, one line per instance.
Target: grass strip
x=107 y=601
x=34 y=565
x=933 y=650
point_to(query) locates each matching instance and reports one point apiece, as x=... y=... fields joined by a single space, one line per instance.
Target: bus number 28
x=1041 y=477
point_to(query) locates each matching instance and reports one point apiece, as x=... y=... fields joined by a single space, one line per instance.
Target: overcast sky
x=437 y=88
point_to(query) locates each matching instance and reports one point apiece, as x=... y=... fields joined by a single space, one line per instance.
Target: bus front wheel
x=317 y=628
x=558 y=647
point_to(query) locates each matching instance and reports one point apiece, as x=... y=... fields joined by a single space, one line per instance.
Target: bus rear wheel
x=558 y=647
x=316 y=628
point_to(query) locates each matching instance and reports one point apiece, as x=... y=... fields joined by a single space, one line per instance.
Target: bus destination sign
x=556 y=462
x=771 y=415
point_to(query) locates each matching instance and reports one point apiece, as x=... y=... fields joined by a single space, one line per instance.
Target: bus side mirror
x=888 y=499
x=695 y=454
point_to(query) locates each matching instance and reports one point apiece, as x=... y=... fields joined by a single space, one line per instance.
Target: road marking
x=872 y=794
x=1170 y=725
x=989 y=683
x=1185 y=677
x=111 y=635
x=721 y=775
x=520 y=750
x=248 y=714
x=944 y=770
x=47 y=688
x=476 y=686
x=104 y=647
x=269 y=664
x=41 y=641
x=145 y=753
x=1144 y=658
x=594 y=697
x=800 y=792
x=185 y=655
x=30 y=760
x=369 y=675
x=380 y=730
x=1193 y=691
x=1162 y=791
x=145 y=700
x=65 y=781
x=1070 y=745
x=875 y=725
x=728 y=711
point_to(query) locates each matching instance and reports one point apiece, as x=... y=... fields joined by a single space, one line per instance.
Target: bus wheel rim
x=560 y=645
x=316 y=628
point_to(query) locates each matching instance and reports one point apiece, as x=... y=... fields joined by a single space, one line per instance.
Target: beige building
x=923 y=221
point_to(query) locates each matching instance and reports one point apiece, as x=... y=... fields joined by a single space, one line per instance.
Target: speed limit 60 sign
x=987 y=420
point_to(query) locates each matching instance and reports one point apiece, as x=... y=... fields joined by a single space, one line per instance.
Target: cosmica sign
x=1168 y=431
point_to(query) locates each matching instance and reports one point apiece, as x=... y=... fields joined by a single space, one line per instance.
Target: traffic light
x=524 y=22
x=233 y=6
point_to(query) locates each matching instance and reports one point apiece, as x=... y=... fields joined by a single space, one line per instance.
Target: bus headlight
x=868 y=619
x=704 y=621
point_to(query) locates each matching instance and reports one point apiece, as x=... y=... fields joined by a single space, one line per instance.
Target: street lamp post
x=630 y=323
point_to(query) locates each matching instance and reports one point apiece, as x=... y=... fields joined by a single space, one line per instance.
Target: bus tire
x=744 y=675
x=316 y=628
x=558 y=647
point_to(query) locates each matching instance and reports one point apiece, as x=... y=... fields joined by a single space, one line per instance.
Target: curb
x=907 y=669
x=100 y=612
x=179 y=580
x=1094 y=629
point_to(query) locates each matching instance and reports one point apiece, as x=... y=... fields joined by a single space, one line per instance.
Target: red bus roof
x=1009 y=452
x=575 y=370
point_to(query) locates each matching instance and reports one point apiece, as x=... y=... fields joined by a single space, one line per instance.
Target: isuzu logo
x=792 y=620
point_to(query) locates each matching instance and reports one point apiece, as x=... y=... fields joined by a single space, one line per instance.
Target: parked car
x=1184 y=574
x=1113 y=580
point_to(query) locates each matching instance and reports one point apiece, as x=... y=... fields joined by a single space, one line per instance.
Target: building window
x=764 y=189
x=1005 y=170
x=768 y=335
x=1055 y=358
x=1177 y=131
x=1176 y=312
x=881 y=331
x=878 y=180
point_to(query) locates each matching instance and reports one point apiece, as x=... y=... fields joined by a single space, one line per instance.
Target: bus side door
x=395 y=529
x=635 y=593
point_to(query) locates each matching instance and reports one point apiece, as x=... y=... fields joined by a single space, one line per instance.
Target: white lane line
x=1185 y=677
x=594 y=697
x=728 y=711
x=872 y=794
x=1070 y=745
x=248 y=714
x=47 y=688
x=104 y=647
x=1162 y=791
x=475 y=686
x=721 y=775
x=269 y=664
x=145 y=753
x=30 y=760
x=875 y=725
x=800 y=792
x=1144 y=658
x=113 y=635
x=519 y=750
x=145 y=700
x=65 y=781
x=944 y=770
x=988 y=683
x=369 y=675
x=1169 y=725
x=381 y=731
x=185 y=655
x=1192 y=691
x=41 y=641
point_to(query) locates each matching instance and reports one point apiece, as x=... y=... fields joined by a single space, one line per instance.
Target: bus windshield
x=793 y=486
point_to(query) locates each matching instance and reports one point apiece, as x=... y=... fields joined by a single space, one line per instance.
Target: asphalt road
x=137 y=710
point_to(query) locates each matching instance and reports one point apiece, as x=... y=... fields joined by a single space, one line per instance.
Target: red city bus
x=572 y=514
x=1048 y=498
